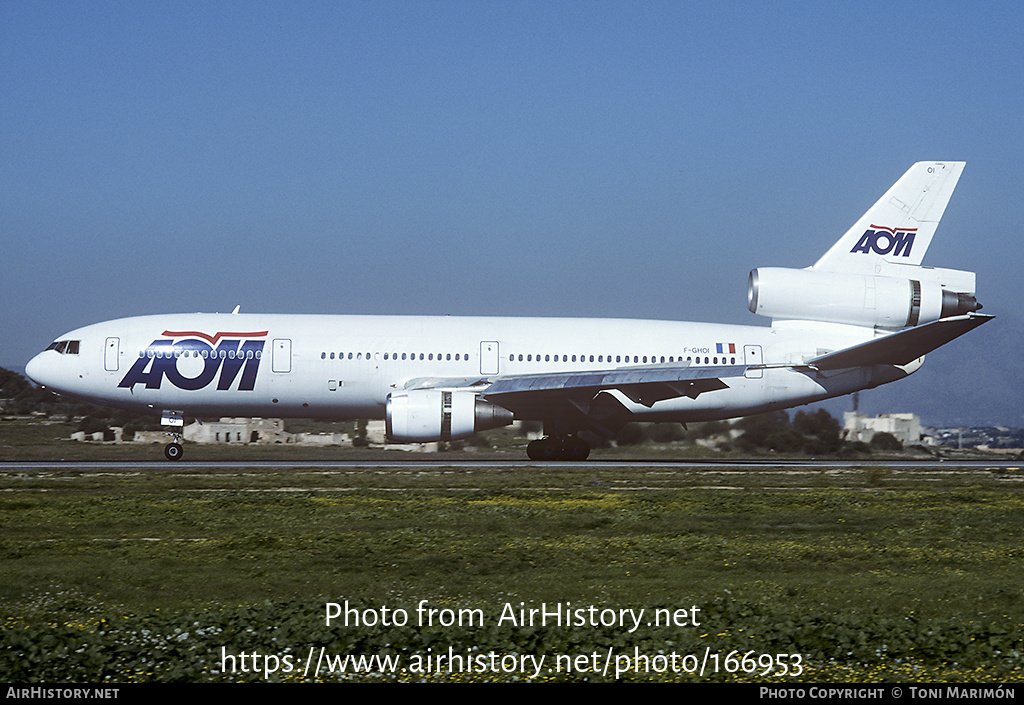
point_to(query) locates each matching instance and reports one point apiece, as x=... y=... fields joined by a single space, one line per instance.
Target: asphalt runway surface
x=450 y=462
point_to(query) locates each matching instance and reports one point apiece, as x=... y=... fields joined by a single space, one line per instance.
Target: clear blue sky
x=630 y=159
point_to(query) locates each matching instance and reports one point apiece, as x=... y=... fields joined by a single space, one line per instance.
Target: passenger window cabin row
x=627 y=359
x=530 y=357
x=396 y=356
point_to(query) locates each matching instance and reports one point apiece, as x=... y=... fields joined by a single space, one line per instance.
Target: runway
x=1005 y=465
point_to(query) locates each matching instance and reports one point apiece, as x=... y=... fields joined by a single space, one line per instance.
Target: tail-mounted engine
x=862 y=300
x=426 y=415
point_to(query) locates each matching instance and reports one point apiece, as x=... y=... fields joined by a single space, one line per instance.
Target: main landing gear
x=558 y=448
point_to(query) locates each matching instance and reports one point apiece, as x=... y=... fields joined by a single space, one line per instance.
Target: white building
x=905 y=427
x=242 y=430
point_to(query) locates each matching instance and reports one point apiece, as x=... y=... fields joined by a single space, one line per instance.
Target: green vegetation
x=19 y=396
x=870 y=574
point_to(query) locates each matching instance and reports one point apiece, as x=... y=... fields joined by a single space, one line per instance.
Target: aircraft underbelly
x=776 y=388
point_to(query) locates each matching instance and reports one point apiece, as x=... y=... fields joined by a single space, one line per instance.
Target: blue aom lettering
x=229 y=358
x=882 y=242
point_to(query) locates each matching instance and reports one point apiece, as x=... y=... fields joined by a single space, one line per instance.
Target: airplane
x=865 y=314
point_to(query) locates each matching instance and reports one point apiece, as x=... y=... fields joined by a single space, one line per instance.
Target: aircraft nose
x=39 y=370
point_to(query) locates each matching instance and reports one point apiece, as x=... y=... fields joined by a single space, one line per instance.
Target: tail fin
x=900 y=226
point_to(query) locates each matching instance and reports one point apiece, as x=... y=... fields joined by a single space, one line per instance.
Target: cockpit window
x=64 y=347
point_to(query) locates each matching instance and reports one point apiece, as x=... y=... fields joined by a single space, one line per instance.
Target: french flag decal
x=729 y=348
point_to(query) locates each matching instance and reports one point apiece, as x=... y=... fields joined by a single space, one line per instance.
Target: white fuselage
x=344 y=367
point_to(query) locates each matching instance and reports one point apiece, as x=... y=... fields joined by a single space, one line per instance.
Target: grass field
x=861 y=574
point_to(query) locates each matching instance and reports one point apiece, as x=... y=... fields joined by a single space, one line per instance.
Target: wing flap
x=680 y=380
x=642 y=385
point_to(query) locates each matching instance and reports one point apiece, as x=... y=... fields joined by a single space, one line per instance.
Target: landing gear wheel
x=173 y=451
x=575 y=449
x=533 y=450
x=558 y=448
x=544 y=449
x=550 y=449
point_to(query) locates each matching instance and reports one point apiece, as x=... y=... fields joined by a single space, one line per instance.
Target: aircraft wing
x=903 y=347
x=584 y=394
x=644 y=385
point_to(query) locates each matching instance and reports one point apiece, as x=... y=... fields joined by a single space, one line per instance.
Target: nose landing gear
x=176 y=420
x=173 y=451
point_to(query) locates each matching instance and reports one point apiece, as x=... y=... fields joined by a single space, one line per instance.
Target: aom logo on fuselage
x=191 y=360
x=882 y=241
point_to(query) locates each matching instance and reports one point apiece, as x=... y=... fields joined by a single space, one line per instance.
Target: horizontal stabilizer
x=903 y=347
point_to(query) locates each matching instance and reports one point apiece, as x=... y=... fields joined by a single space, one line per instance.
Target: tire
x=556 y=448
x=545 y=449
x=577 y=449
x=173 y=451
x=550 y=449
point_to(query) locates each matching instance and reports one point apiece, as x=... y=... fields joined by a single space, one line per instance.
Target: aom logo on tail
x=191 y=360
x=882 y=240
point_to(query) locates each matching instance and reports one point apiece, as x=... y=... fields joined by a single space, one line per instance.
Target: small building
x=113 y=434
x=905 y=427
x=241 y=430
x=238 y=430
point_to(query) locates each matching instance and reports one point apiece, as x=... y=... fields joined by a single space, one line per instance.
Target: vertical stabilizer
x=900 y=226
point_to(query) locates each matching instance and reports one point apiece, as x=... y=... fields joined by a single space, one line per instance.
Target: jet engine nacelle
x=426 y=415
x=858 y=299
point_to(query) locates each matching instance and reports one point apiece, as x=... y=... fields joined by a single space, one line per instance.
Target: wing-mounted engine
x=426 y=415
x=902 y=297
